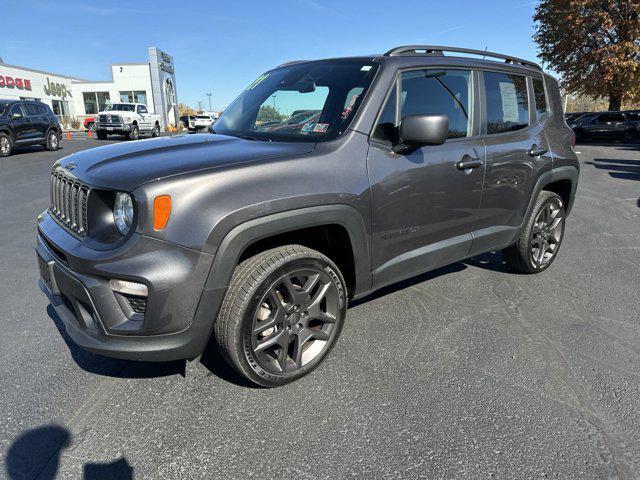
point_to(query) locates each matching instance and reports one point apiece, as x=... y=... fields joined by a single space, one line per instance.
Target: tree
x=268 y=114
x=594 y=45
x=184 y=109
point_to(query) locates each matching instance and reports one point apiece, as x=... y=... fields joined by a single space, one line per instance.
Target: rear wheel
x=5 y=145
x=156 y=131
x=540 y=240
x=52 y=141
x=101 y=135
x=629 y=136
x=282 y=314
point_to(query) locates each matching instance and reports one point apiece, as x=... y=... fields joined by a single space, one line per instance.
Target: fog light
x=131 y=288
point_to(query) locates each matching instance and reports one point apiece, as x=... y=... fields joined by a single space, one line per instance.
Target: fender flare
x=243 y=235
x=559 y=173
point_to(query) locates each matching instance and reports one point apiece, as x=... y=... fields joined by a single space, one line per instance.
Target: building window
x=95 y=102
x=30 y=98
x=138 y=96
x=60 y=108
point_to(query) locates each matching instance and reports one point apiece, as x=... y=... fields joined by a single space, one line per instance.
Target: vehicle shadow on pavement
x=620 y=168
x=113 y=367
x=37 y=452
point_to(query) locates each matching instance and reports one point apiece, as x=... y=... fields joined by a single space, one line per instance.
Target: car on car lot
x=607 y=126
x=128 y=119
x=260 y=239
x=197 y=122
x=25 y=122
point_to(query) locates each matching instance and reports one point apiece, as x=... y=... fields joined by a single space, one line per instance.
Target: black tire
x=53 y=142
x=101 y=135
x=156 y=131
x=255 y=282
x=523 y=256
x=6 y=146
x=134 y=134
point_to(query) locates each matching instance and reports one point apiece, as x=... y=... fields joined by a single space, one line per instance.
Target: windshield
x=123 y=107
x=308 y=102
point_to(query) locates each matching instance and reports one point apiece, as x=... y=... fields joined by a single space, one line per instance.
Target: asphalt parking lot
x=466 y=372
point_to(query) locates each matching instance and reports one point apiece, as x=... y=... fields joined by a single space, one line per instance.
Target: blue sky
x=222 y=46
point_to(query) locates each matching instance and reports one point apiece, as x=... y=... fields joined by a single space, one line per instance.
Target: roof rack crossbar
x=439 y=51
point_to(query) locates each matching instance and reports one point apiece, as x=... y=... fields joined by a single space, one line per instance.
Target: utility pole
x=209 y=95
x=199 y=106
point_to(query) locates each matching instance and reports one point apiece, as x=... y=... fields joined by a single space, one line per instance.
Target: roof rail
x=439 y=51
x=292 y=62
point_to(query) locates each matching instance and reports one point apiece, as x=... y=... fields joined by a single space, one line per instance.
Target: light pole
x=209 y=95
x=274 y=100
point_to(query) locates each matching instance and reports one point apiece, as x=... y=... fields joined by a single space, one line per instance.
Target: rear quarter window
x=507 y=102
x=540 y=98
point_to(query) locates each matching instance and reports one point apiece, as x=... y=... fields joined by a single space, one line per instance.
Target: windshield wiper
x=249 y=137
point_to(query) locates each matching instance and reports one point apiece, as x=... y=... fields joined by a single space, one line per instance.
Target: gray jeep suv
x=257 y=236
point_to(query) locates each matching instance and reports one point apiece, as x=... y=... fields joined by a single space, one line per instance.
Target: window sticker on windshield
x=365 y=68
x=352 y=101
x=320 y=127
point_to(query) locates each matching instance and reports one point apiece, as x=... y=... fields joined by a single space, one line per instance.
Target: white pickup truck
x=128 y=119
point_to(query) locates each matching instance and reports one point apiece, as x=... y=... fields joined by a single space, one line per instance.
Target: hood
x=127 y=165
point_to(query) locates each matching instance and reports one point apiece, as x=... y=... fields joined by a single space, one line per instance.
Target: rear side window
x=439 y=92
x=610 y=117
x=507 y=104
x=32 y=110
x=540 y=98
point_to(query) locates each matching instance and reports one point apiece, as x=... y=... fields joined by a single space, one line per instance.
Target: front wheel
x=282 y=314
x=5 y=145
x=134 y=134
x=540 y=240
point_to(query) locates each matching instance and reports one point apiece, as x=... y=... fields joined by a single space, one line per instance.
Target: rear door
x=517 y=153
x=39 y=121
x=424 y=205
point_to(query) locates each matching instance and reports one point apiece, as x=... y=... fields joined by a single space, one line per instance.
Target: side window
x=16 y=109
x=439 y=92
x=142 y=109
x=32 y=110
x=507 y=105
x=385 y=126
x=540 y=98
x=42 y=110
x=610 y=117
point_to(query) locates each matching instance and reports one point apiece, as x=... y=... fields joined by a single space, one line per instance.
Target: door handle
x=536 y=152
x=469 y=163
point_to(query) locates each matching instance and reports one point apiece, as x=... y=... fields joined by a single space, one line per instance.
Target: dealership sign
x=56 y=89
x=15 y=82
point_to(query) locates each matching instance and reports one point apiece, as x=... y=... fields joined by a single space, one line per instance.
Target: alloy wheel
x=547 y=233
x=5 y=146
x=295 y=320
x=53 y=141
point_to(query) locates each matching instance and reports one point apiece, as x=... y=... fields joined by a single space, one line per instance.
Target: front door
x=424 y=205
x=22 y=127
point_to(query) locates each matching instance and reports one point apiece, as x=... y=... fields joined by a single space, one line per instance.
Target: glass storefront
x=137 y=96
x=95 y=102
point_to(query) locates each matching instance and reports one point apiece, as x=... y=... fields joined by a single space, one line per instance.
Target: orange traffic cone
x=89 y=134
x=68 y=135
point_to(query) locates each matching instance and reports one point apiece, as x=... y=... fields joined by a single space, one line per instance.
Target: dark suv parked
x=261 y=237
x=25 y=122
x=607 y=126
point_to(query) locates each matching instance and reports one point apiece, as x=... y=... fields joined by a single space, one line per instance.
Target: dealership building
x=152 y=83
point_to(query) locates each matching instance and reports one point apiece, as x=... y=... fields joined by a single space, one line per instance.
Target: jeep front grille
x=69 y=202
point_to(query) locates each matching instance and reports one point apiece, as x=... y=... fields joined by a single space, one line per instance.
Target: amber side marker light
x=161 y=211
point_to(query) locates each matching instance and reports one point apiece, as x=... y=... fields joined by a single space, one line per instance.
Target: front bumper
x=179 y=312
x=112 y=127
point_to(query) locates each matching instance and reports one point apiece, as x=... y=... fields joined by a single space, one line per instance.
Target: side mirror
x=416 y=131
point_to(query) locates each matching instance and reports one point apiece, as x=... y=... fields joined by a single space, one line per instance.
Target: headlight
x=123 y=212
